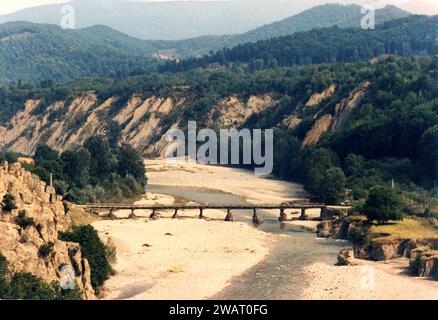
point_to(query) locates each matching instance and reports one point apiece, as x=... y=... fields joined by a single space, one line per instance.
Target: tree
x=93 y=250
x=76 y=167
x=45 y=153
x=102 y=160
x=113 y=133
x=354 y=165
x=130 y=163
x=383 y=205
x=47 y=161
x=332 y=186
x=428 y=154
x=316 y=166
x=9 y=202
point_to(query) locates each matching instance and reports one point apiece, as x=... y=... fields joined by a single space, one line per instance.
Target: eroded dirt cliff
x=143 y=120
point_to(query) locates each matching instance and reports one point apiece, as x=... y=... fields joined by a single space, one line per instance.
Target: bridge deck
x=194 y=207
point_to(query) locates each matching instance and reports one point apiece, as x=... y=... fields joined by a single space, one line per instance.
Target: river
x=280 y=275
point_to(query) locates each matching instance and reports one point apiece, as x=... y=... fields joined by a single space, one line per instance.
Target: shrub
x=23 y=221
x=24 y=238
x=360 y=235
x=93 y=250
x=3 y=271
x=9 y=202
x=383 y=205
x=3 y=266
x=357 y=208
x=10 y=157
x=46 y=249
x=26 y=286
x=111 y=251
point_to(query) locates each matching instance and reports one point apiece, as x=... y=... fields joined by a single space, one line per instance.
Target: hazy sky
x=419 y=6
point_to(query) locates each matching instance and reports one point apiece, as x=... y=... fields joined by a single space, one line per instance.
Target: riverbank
x=179 y=259
x=386 y=280
x=197 y=259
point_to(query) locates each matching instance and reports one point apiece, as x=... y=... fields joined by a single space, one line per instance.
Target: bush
x=3 y=266
x=357 y=208
x=383 y=205
x=111 y=251
x=46 y=249
x=9 y=202
x=93 y=250
x=23 y=221
x=3 y=271
x=26 y=286
x=360 y=235
x=9 y=157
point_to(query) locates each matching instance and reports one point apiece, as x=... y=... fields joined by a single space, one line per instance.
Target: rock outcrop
x=335 y=121
x=21 y=245
x=233 y=112
x=292 y=121
x=316 y=98
x=321 y=126
x=346 y=257
x=144 y=120
x=424 y=263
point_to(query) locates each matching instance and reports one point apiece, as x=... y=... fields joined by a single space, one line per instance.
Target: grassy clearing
x=409 y=228
x=80 y=218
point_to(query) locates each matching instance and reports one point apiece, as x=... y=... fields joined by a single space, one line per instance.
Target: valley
x=343 y=114
x=234 y=260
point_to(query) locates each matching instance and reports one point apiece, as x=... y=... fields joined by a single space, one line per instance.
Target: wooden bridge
x=302 y=206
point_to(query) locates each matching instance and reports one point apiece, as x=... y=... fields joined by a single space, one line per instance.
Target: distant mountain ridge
x=170 y=20
x=344 y=16
x=39 y=52
x=414 y=35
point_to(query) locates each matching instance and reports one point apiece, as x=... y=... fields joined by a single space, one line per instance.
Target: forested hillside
x=34 y=52
x=351 y=108
x=414 y=35
x=349 y=125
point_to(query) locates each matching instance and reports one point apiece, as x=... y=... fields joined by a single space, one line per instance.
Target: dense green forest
x=100 y=171
x=40 y=52
x=414 y=35
x=391 y=135
x=390 y=138
x=95 y=173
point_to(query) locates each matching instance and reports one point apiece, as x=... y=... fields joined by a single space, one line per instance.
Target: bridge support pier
x=153 y=215
x=132 y=215
x=201 y=213
x=283 y=216
x=111 y=215
x=303 y=215
x=229 y=216
x=255 y=217
x=175 y=215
